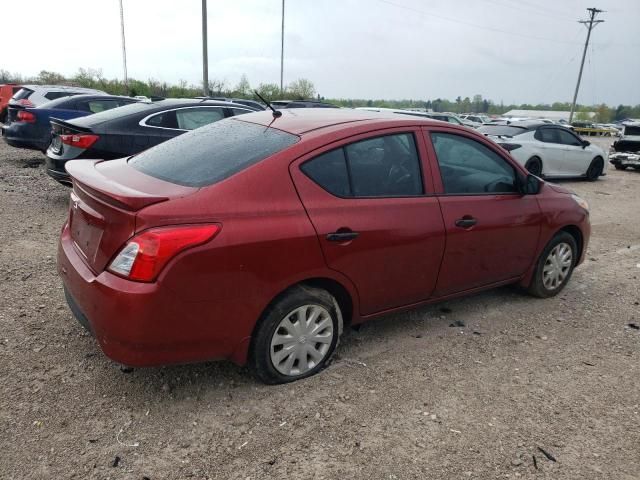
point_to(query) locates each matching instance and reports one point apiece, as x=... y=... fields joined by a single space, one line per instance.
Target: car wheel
x=620 y=167
x=555 y=266
x=534 y=166
x=595 y=169
x=296 y=336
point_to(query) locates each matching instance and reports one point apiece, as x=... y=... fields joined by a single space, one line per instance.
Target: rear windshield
x=503 y=130
x=629 y=130
x=211 y=153
x=22 y=93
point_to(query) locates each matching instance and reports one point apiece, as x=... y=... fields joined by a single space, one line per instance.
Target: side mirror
x=530 y=185
x=585 y=143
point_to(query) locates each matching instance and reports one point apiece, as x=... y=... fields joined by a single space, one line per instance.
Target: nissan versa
x=258 y=238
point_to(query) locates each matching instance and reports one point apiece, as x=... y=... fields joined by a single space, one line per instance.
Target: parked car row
x=201 y=229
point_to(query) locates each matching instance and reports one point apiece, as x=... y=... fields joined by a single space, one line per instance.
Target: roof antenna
x=276 y=113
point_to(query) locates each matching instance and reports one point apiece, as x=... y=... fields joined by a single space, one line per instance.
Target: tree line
x=303 y=89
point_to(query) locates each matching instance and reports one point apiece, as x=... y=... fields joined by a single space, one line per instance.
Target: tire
x=550 y=278
x=595 y=169
x=534 y=166
x=280 y=322
x=620 y=167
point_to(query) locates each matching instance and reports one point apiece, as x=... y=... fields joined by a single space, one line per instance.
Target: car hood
x=560 y=188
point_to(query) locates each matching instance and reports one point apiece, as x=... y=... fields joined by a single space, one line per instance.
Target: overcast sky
x=506 y=50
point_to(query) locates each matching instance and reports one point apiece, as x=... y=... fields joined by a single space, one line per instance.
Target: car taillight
x=79 y=140
x=25 y=103
x=26 y=117
x=510 y=146
x=144 y=256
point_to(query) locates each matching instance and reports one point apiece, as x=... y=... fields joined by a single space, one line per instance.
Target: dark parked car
x=259 y=239
x=32 y=129
x=130 y=130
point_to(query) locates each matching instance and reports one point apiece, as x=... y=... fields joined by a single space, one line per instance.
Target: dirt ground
x=408 y=396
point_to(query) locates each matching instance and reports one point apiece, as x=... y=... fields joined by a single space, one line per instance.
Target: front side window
x=469 y=167
x=192 y=118
x=387 y=166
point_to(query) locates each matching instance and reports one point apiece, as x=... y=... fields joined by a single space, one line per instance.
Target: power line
x=530 y=11
x=469 y=24
x=590 y=24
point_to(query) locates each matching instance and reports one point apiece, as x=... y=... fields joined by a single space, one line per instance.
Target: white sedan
x=548 y=150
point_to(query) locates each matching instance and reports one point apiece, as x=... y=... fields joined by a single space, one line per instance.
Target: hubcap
x=301 y=340
x=557 y=266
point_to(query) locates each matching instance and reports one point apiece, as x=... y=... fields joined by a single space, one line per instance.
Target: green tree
x=243 y=88
x=301 y=89
x=270 y=91
x=50 y=78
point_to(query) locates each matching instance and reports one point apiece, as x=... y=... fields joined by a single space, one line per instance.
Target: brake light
x=145 y=255
x=26 y=117
x=510 y=146
x=79 y=140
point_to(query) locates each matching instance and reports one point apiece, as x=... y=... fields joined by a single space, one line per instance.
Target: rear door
x=369 y=200
x=576 y=160
x=553 y=152
x=492 y=230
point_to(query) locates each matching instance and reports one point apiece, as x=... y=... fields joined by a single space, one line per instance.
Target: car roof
x=60 y=87
x=304 y=120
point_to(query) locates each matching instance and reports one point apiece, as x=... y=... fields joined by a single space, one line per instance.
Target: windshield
x=211 y=153
x=502 y=130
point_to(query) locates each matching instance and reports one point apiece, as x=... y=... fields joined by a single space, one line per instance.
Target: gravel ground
x=521 y=388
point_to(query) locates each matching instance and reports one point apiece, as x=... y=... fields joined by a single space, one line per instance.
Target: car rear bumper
x=56 y=170
x=143 y=324
x=625 y=159
x=16 y=136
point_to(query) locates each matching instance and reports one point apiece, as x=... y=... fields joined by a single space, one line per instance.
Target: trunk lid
x=105 y=202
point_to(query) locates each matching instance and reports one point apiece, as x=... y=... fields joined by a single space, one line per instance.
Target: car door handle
x=343 y=236
x=466 y=222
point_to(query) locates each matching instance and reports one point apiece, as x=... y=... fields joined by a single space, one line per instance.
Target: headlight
x=581 y=201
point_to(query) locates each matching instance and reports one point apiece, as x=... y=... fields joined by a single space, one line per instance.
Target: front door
x=367 y=199
x=492 y=230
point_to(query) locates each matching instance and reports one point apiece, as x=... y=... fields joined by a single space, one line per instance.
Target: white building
x=550 y=114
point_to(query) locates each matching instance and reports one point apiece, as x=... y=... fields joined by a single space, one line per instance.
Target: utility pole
x=205 y=52
x=590 y=24
x=282 y=53
x=124 y=49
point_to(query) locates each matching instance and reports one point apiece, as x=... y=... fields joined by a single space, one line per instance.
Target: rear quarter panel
x=266 y=245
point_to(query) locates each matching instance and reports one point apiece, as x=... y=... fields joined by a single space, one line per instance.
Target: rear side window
x=212 y=153
x=96 y=106
x=22 y=94
x=547 y=135
x=164 y=120
x=192 y=118
x=386 y=166
x=54 y=95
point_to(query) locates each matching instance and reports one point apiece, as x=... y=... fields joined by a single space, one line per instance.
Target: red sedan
x=258 y=239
